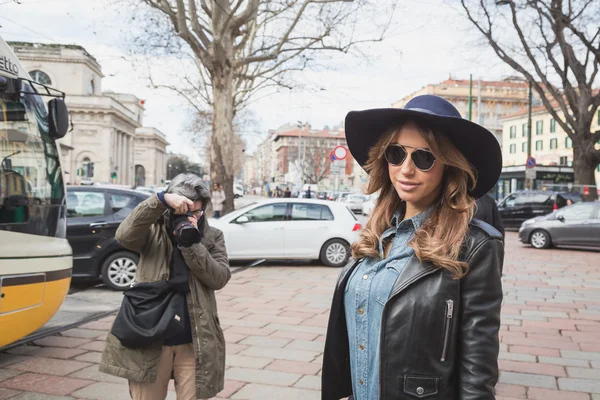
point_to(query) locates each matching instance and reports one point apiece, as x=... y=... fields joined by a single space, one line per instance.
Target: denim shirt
x=366 y=293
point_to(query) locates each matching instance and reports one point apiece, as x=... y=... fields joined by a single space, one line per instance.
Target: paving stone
x=280 y=354
x=583 y=373
x=104 y=391
x=60 y=341
x=294 y=335
x=58 y=352
x=81 y=333
x=579 y=385
x=513 y=391
x=295 y=328
x=265 y=341
x=567 y=362
x=581 y=355
x=536 y=351
x=517 y=378
x=92 y=356
x=317 y=346
x=266 y=377
x=8 y=359
x=236 y=360
x=7 y=393
x=231 y=337
x=24 y=350
x=309 y=382
x=297 y=367
x=532 y=368
x=97 y=325
x=48 y=384
x=230 y=388
x=516 y=357
x=8 y=373
x=93 y=374
x=263 y=392
x=545 y=394
x=50 y=366
x=39 y=396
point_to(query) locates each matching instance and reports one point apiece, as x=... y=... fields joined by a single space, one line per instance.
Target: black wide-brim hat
x=479 y=146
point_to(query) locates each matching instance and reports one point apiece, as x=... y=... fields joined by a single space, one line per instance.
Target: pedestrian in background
x=487 y=211
x=218 y=200
x=288 y=192
x=416 y=314
x=195 y=358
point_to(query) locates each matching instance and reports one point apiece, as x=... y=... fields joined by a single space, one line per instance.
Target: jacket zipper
x=447 y=325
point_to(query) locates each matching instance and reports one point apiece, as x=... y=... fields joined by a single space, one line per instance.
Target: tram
x=35 y=257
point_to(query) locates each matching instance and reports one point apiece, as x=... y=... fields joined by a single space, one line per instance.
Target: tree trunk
x=584 y=166
x=221 y=152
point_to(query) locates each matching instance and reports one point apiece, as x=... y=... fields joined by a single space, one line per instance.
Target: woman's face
x=420 y=188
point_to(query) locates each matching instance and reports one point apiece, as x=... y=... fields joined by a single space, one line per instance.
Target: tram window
x=85 y=204
x=119 y=201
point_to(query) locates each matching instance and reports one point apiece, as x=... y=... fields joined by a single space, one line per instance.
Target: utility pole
x=529 y=124
x=470 y=97
x=479 y=116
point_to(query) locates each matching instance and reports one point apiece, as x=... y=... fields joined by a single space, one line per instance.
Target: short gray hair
x=190 y=186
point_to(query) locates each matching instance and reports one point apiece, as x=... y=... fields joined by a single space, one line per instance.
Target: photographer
x=165 y=228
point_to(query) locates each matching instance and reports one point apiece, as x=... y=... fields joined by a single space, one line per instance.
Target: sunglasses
x=395 y=154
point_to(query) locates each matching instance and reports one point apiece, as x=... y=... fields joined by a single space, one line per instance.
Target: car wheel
x=335 y=253
x=540 y=239
x=118 y=270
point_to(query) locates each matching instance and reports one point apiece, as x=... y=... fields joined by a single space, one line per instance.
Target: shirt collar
x=417 y=221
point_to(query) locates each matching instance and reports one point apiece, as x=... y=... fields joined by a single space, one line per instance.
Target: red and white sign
x=340 y=152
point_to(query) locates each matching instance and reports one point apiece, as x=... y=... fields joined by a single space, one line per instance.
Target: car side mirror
x=58 y=118
x=561 y=218
x=242 y=220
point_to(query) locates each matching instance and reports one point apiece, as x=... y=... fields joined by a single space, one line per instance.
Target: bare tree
x=240 y=48
x=315 y=160
x=555 y=44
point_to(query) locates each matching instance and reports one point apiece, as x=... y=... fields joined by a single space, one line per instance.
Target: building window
x=552 y=125
x=539 y=145
x=553 y=144
x=513 y=132
x=524 y=147
x=563 y=160
x=513 y=148
x=568 y=143
x=524 y=130
x=91 y=87
x=40 y=77
x=539 y=127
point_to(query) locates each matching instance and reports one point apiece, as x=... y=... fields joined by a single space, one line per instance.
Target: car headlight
x=528 y=222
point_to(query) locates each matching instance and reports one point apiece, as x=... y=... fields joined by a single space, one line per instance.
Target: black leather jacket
x=439 y=336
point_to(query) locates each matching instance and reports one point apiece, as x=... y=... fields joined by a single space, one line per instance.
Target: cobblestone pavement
x=275 y=317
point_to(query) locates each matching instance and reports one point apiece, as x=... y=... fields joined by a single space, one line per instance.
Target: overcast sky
x=428 y=41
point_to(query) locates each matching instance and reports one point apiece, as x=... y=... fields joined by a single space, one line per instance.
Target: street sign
x=332 y=156
x=530 y=173
x=531 y=162
x=340 y=152
x=337 y=166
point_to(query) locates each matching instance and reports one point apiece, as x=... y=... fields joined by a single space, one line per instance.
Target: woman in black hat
x=416 y=314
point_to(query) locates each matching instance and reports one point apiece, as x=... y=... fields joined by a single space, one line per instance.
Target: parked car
x=322 y=195
x=342 y=196
x=369 y=205
x=355 y=202
x=524 y=205
x=577 y=225
x=93 y=216
x=283 y=229
x=238 y=191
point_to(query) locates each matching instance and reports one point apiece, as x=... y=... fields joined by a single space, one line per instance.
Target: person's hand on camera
x=180 y=204
x=194 y=221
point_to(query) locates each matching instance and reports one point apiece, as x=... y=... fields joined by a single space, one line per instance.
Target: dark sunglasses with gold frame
x=423 y=159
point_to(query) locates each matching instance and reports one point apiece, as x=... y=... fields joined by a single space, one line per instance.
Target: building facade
x=101 y=146
x=491 y=100
x=550 y=146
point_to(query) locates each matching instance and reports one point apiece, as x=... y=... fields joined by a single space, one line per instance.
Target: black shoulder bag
x=152 y=312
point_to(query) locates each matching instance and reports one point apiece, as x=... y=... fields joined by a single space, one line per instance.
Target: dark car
x=577 y=225
x=93 y=216
x=518 y=207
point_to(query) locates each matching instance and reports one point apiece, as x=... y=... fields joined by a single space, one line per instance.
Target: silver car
x=572 y=226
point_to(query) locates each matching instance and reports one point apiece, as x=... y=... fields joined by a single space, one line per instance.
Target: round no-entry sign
x=340 y=152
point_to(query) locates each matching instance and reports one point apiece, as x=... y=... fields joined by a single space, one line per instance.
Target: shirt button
x=361 y=382
x=365 y=277
x=361 y=311
x=361 y=347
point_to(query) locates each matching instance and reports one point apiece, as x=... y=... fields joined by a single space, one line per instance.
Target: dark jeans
x=216 y=214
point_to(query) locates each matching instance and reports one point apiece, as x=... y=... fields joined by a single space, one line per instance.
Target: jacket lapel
x=413 y=272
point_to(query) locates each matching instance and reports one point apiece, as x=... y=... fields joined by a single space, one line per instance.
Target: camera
x=184 y=231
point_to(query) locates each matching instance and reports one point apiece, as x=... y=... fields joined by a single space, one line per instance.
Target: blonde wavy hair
x=440 y=239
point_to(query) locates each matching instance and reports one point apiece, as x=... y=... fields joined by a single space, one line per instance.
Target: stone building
x=107 y=127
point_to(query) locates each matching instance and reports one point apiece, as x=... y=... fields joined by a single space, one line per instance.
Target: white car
x=355 y=202
x=369 y=205
x=287 y=229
